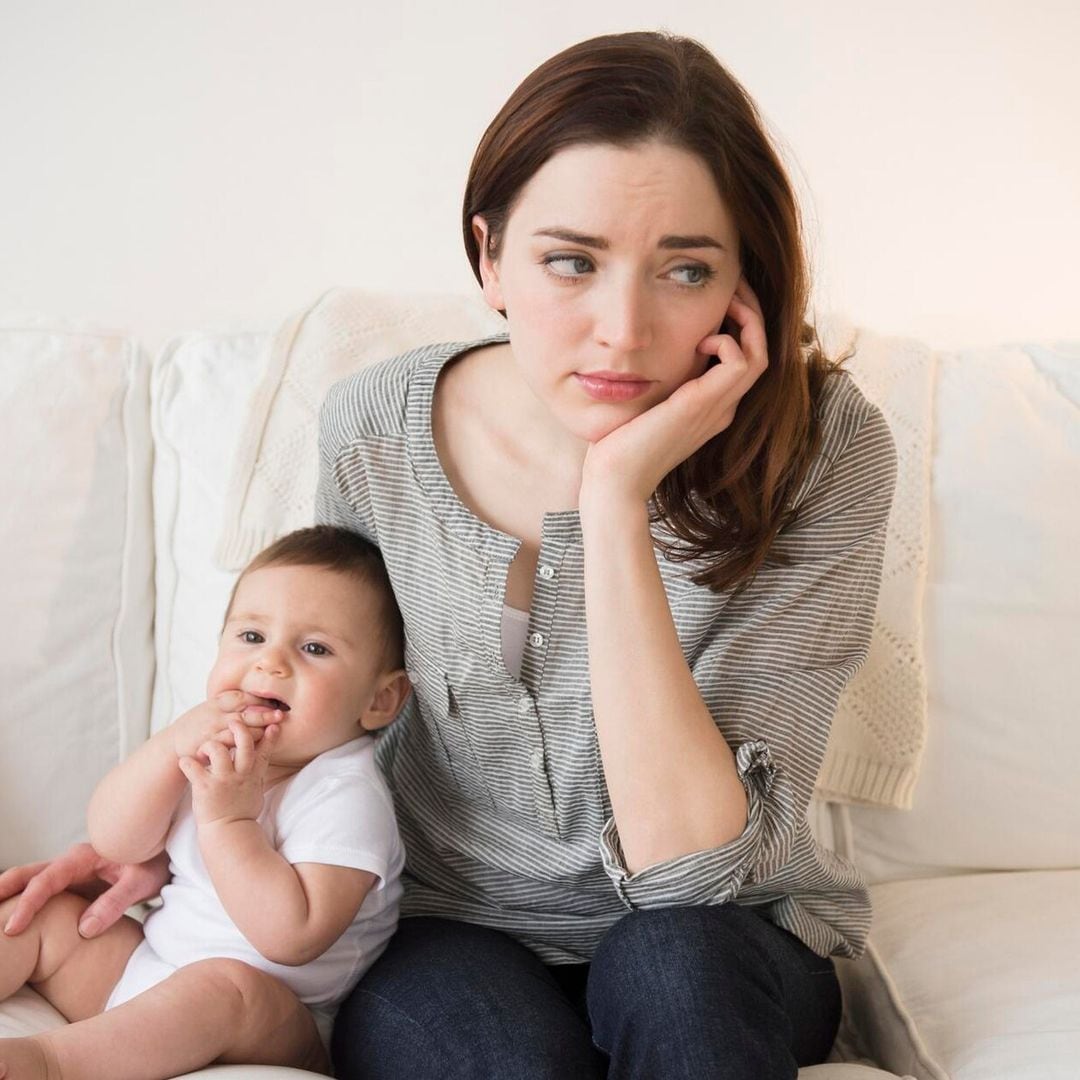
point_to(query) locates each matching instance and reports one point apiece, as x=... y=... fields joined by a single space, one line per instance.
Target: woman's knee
x=685 y=938
x=662 y=967
x=694 y=981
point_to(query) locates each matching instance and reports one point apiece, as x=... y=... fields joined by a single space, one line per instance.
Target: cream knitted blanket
x=880 y=728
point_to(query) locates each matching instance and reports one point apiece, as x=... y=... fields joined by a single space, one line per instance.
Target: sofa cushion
x=76 y=561
x=202 y=386
x=1002 y=607
x=972 y=977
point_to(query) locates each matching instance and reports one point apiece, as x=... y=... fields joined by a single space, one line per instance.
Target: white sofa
x=112 y=493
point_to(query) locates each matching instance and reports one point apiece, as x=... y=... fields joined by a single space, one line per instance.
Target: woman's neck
x=517 y=420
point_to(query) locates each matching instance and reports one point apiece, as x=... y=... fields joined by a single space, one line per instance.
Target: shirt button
x=524 y=704
x=547 y=573
x=536 y=759
x=536 y=639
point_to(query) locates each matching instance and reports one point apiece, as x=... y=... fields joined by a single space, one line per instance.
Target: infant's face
x=304 y=637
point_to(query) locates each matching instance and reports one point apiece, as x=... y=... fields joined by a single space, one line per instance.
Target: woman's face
x=614 y=262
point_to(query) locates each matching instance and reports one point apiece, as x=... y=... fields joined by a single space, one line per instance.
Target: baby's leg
x=73 y=974
x=210 y=1011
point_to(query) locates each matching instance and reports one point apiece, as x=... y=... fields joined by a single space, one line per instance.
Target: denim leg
x=714 y=991
x=449 y=1000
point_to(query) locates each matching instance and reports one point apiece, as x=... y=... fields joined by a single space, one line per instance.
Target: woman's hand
x=81 y=869
x=633 y=459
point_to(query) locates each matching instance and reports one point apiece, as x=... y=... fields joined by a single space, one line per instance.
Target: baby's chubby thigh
x=74 y=974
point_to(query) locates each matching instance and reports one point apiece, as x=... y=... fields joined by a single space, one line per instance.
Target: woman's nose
x=623 y=319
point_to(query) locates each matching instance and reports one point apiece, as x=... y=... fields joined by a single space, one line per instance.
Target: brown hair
x=726 y=503
x=330 y=547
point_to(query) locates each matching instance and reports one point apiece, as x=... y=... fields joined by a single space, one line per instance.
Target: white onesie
x=336 y=810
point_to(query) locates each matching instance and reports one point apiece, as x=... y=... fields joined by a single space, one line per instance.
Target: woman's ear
x=489 y=273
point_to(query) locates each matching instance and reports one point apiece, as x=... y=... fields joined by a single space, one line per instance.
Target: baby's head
x=313 y=629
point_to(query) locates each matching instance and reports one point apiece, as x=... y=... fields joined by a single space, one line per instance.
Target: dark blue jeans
x=700 y=992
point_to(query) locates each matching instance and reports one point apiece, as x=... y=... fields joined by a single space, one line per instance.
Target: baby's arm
x=290 y=913
x=132 y=807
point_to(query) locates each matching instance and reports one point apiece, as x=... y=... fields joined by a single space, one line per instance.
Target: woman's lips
x=604 y=386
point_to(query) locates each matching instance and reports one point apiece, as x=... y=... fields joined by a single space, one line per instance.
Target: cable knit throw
x=880 y=727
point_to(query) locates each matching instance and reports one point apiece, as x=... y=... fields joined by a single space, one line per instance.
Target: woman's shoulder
x=856 y=453
x=848 y=417
x=372 y=400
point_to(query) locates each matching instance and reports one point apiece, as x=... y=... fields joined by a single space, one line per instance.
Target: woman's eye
x=313 y=648
x=576 y=265
x=251 y=637
x=699 y=274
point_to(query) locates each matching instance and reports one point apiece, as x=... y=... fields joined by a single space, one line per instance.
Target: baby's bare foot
x=27 y=1059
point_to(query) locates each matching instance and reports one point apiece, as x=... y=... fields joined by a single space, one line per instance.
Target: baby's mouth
x=274 y=703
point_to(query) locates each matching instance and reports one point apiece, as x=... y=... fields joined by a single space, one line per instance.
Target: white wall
x=215 y=164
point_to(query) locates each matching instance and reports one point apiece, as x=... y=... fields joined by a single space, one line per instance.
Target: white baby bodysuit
x=336 y=810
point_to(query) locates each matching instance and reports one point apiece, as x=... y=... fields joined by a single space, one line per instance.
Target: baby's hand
x=211 y=720
x=230 y=787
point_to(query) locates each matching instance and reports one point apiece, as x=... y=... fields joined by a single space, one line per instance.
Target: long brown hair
x=726 y=503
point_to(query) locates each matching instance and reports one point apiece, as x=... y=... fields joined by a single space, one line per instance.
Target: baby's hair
x=331 y=547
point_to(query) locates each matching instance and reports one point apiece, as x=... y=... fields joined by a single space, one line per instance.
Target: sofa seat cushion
x=972 y=977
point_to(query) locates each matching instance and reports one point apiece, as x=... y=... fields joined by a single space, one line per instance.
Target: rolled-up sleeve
x=773 y=660
x=702 y=877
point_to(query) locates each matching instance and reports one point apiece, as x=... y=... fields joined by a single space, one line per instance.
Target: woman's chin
x=593 y=428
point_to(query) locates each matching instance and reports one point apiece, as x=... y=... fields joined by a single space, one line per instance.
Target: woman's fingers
x=751 y=332
x=40 y=882
x=135 y=882
x=14 y=880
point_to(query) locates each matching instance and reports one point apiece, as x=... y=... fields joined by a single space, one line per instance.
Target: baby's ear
x=391 y=693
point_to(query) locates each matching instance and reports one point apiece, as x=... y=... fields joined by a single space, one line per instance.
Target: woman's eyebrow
x=670 y=243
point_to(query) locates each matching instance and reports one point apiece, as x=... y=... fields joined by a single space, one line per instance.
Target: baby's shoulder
x=347 y=776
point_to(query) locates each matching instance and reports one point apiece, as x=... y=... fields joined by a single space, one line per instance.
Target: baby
x=280 y=835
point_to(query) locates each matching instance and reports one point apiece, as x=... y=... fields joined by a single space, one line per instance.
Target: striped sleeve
x=776 y=659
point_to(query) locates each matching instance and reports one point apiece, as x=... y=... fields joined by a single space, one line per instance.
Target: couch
x=115 y=483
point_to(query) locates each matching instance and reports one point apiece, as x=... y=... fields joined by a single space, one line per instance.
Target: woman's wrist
x=605 y=505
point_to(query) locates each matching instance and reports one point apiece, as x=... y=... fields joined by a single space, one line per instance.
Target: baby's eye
x=314 y=648
x=251 y=637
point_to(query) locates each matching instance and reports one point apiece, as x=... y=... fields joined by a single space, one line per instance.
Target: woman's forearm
x=132 y=808
x=669 y=771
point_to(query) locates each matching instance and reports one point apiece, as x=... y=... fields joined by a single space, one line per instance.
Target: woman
x=637 y=543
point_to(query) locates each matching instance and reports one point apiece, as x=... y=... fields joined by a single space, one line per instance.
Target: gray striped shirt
x=497 y=779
